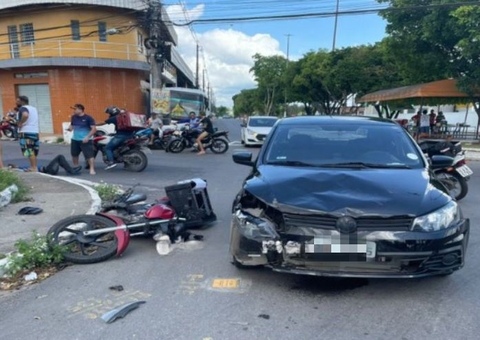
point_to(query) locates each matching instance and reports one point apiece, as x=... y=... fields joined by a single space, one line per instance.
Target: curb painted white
x=87 y=185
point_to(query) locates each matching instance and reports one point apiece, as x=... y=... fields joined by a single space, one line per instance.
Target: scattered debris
x=239 y=323
x=7 y=195
x=36 y=317
x=164 y=245
x=118 y=288
x=42 y=296
x=264 y=316
x=120 y=312
x=30 y=211
x=31 y=277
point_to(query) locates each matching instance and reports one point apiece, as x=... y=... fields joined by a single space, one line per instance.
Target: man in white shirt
x=424 y=124
x=28 y=131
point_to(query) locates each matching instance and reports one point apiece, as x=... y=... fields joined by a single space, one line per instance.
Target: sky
x=227 y=47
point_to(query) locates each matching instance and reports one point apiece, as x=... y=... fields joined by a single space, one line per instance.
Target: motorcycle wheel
x=135 y=161
x=84 y=249
x=9 y=133
x=176 y=146
x=219 y=146
x=456 y=184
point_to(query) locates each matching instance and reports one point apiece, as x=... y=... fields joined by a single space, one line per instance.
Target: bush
x=35 y=253
x=107 y=192
x=60 y=140
x=7 y=178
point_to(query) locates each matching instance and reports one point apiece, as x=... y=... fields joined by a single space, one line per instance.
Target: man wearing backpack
x=120 y=136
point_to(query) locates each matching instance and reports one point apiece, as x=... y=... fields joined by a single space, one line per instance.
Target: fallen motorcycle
x=8 y=128
x=96 y=238
x=214 y=142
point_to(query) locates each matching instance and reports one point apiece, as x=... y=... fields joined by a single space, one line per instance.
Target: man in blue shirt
x=83 y=127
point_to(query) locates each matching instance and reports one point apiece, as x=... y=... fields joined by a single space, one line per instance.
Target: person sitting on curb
x=53 y=167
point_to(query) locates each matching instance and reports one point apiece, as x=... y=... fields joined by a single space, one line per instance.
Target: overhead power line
x=323 y=14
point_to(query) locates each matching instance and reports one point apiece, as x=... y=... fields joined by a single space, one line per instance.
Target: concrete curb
x=94 y=207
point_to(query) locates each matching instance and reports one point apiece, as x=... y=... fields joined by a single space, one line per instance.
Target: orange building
x=87 y=51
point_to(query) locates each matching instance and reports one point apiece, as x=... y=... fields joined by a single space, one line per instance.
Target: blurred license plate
x=464 y=171
x=331 y=246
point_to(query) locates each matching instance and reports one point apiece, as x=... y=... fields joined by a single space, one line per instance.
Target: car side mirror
x=244 y=158
x=440 y=162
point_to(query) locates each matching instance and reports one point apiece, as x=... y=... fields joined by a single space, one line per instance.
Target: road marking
x=192 y=284
x=226 y=283
x=236 y=142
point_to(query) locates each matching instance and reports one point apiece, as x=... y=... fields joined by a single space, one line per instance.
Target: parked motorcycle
x=96 y=238
x=214 y=142
x=456 y=176
x=132 y=153
x=8 y=128
x=161 y=143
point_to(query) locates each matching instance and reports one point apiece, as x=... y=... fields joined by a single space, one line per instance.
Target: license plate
x=330 y=246
x=464 y=171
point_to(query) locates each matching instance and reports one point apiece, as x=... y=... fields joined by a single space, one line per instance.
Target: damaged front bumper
x=368 y=254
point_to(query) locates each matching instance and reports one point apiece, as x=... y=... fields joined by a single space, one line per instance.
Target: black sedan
x=347 y=197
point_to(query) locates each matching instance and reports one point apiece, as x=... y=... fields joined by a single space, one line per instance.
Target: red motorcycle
x=96 y=238
x=8 y=128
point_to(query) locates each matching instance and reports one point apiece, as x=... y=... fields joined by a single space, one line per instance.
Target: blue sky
x=227 y=48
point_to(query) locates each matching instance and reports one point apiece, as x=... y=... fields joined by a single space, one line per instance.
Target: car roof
x=335 y=120
x=271 y=117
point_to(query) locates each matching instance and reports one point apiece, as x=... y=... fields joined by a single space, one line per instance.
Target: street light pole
x=335 y=27
x=286 y=70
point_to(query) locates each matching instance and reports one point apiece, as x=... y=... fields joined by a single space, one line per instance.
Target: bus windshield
x=178 y=103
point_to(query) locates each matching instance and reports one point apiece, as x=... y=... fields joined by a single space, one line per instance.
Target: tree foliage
x=222 y=111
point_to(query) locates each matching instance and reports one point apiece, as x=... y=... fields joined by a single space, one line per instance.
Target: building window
x=140 y=42
x=26 y=32
x=102 y=31
x=75 y=25
x=13 y=42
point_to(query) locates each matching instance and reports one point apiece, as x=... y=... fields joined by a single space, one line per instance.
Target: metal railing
x=72 y=49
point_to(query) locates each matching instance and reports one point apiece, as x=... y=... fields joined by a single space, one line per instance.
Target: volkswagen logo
x=346 y=225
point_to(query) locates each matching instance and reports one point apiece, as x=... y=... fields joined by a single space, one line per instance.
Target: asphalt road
x=197 y=294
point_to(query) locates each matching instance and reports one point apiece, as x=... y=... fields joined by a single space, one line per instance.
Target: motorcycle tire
x=458 y=180
x=9 y=133
x=176 y=146
x=84 y=249
x=219 y=146
x=140 y=161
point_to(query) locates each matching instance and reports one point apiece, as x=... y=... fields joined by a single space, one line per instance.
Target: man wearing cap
x=83 y=127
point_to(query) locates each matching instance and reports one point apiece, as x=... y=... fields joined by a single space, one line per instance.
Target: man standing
x=29 y=130
x=207 y=130
x=84 y=128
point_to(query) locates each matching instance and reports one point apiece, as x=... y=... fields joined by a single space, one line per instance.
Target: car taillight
x=460 y=163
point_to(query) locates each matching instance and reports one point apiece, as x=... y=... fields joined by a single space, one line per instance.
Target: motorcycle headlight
x=251 y=132
x=438 y=220
x=252 y=226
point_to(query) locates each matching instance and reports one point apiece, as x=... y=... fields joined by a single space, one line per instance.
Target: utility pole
x=335 y=27
x=286 y=70
x=203 y=81
x=197 y=80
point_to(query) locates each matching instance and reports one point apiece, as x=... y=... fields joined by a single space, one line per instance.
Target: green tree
x=434 y=43
x=245 y=102
x=269 y=73
x=222 y=111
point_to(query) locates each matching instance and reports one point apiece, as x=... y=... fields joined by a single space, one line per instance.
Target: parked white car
x=256 y=129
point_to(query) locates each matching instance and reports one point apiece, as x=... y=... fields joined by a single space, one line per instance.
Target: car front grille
x=363 y=223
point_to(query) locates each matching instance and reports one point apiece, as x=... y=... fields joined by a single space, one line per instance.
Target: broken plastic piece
x=31 y=277
x=120 y=312
x=30 y=211
x=118 y=288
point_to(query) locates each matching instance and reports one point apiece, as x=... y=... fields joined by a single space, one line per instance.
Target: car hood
x=356 y=192
x=260 y=130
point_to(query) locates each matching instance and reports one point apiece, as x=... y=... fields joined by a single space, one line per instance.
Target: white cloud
x=228 y=53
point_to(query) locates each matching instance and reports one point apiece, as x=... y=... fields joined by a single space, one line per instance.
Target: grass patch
x=60 y=140
x=107 y=192
x=7 y=178
x=472 y=145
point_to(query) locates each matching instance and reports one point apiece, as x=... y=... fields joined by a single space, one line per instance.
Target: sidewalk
x=59 y=197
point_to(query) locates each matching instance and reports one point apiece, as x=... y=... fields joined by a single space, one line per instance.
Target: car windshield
x=342 y=146
x=262 y=122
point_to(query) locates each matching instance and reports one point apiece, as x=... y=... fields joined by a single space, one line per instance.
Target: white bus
x=177 y=102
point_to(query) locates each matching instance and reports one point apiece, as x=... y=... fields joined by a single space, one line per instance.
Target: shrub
x=7 y=178
x=34 y=253
x=107 y=192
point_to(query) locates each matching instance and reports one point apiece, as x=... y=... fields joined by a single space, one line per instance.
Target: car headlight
x=251 y=132
x=438 y=220
x=255 y=227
